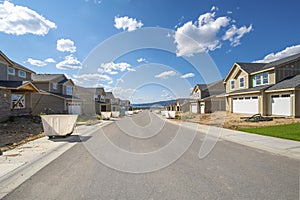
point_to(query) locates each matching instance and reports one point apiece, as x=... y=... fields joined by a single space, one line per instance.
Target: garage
x=281 y=104
x=74 y=108
x=247 y=105
x=194 y=108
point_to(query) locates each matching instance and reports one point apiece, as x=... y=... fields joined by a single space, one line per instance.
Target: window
x=17 y=101
x=261 y=79
x=54 y=86
x=22 y=74
x=69 y=90
x=232 y=83
x=242 y=82
x=11 y=71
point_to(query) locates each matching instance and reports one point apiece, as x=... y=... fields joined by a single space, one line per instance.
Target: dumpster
x=115 y=114
x=106 y=115
x=171 y=114
x=58 y=125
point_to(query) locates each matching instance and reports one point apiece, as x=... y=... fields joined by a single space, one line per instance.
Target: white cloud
x=166 y=74
x=92 y=78
x=127 y=23
x=123 y=93
x=234 y=34
x=20 y=20
x=166 y=95
x=214 y=8
x=40 y=63
x=114 y=68
x=188 y=75
x=200 y=36
x=288 y=51
x=206 y=34
x=65 y=45
x=141 y=60
x=70 y=62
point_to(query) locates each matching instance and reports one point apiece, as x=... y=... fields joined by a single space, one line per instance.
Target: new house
x=208 y=98
x=15 y=88
x=56 y=95
x=266 y=88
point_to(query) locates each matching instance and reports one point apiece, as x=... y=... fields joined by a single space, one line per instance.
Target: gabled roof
x=45 y=77
x=18 y=85
x=16 y=65
x=290 y=82
x=109 y=95
x=251 y=67
x=285 y=60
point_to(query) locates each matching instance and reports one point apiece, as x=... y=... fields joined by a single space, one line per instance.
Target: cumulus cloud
x=200 y=36
x=40 y=63
x=70 y=62
x=166 y=74
x=205 y=34
x=123 y=93
x=89 y=77
x=234 y=34
x=65 y=45
x=188 y=75
x=20 y=20
x=288 y=51
x=114 y=68
x=127 y=23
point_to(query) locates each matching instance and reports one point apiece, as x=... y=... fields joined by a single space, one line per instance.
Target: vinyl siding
x=42 y=103
x=287 y=70
x=235 y=75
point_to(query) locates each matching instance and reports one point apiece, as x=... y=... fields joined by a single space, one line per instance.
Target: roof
x=64 y=96
x=17 y=65
x=279 y=62
x=290 y=82
x=45 y=77
x=253 y=89
x=109 y=95
x=18 y=85
x=251 y=67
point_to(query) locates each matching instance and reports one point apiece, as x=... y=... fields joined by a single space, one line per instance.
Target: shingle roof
x=279 y=62
x=44 y=77
x=109 y=95
x=65 y=96
x=251 y=67
x=11 y=84
x=290 y=82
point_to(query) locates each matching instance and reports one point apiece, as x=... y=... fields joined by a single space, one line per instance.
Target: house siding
x=47 y=103
x=289 y=69
x=5 y=99
x=42 y=86
x=297 y=102
x=235 y=75
x=3 y=71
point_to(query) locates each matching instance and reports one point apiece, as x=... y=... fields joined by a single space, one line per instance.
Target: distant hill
x=148 y=105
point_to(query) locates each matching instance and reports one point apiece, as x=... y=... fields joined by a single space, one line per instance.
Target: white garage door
x=247 y=105
x=281 y=105
x=74 y=108
x=194 y=107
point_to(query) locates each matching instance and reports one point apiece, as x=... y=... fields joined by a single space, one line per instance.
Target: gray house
x=15 y=88
x=208 y=98
x=56 y=95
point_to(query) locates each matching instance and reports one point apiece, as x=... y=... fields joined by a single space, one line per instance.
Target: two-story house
x=207 y=98
x=125 y=104
x=56 y=95
x=15 y=88
x=265 y=88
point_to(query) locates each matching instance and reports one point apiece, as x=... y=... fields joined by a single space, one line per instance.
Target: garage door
x=247 y=105
x=281 y=105
x=194 y=108
x=74 y=108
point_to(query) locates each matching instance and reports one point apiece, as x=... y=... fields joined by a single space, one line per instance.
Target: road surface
x=230 y=171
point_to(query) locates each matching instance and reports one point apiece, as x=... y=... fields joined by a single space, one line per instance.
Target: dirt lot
x=19 y=130
x=233 y=120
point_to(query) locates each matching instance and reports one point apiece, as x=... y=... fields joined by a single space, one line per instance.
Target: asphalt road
x=92 y=169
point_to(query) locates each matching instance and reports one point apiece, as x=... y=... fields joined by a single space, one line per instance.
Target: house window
x=69 y=90
x=17 y=101
x=261 y=79
x=242 y=82
x=22 y=74
x=54 y=86
x=11 y=71
x=232 y=83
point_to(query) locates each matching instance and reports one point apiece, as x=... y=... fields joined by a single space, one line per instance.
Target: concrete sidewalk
x=19 y=164
x=279 y=146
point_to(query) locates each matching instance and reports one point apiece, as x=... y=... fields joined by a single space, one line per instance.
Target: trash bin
x=58 y=125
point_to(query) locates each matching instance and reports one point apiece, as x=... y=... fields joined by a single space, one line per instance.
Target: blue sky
x=197 y=41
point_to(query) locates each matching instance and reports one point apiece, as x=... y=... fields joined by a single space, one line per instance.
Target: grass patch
x=287 y=131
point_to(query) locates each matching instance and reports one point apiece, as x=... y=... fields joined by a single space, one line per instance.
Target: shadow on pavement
x=70 y=139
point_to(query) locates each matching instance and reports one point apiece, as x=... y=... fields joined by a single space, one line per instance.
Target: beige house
x=207 y=98
x=265 y=88
x=15 y=88
x=56 y=95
